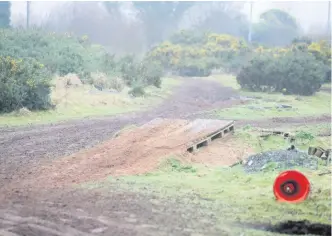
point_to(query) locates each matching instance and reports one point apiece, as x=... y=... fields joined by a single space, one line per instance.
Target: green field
x=306 y=136
x=229 y=192
x=80 y=102
x=266 y=105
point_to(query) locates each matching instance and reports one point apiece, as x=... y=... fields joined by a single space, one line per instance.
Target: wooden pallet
x=196 y=144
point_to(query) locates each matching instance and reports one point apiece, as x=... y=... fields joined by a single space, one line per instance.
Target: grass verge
x=265 y=105
x=305 y=137
x=233 y=194
x=230 y=194
x=83 y=102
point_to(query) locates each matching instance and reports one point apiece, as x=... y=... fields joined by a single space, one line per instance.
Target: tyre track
x=25 y=147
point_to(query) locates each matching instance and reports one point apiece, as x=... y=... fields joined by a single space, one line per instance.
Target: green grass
x=230 y=193
x=264 y=105
x=273 y=142
x=76 y=103
x=315 y=129
x=235 y=195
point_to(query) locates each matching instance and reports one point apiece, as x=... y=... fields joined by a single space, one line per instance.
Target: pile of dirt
x=280 y=159
x=136 y=151
x=133 y=152
x=222 y=152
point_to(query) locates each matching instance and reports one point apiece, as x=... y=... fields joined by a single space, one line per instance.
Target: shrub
x=103 y=81
x=290 y=73
x=302 y=39
x=137 y=91
x=145 y=72
x=196 y=54
x=322 y=52
x=128 y=68
x=99 y=80
x=23 y=83
x=116 y=83
x=328 y=76
x=150 y=73
x=193 y=68
x=60 y=53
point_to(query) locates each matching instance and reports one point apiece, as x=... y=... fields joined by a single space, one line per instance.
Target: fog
x=117 y=30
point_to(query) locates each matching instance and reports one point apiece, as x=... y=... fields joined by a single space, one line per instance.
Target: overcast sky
x=310 y=14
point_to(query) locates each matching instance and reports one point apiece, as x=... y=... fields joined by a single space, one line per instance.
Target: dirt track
x=21 y=147
x=113 y=213
x=74 y=212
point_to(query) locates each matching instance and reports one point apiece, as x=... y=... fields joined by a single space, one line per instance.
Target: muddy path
x=36 y=211
x=108 y=212
x=22 y=147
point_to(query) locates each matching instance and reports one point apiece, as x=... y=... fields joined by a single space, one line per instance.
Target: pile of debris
x=319 y=152
x=280 y=159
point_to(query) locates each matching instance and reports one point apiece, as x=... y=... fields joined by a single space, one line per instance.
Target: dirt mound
x=222 y=152
x=136 y=151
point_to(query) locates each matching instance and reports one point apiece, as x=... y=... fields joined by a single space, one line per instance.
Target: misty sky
x=310 y=14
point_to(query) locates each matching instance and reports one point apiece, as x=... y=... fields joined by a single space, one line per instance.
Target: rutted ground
x=77 y=212
x=115 y=214
x=24 y=146
x=111 y=213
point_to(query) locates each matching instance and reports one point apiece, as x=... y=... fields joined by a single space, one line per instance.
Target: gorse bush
x=150 y=73
x=322 y=52
x=137 y=91
x=290 y=73
x=144 y=73
x=193 y=68
x=23 y=83
x=191 y=54
x=297 y=69
x=62 y=54
x=103 y=81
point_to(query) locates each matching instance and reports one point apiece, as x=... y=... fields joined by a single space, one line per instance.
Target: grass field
x=265 y=105
x=85 y=101
x=251 y=136
x=232 y=194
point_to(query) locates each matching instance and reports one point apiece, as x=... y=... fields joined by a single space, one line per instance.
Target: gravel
x=280 y=159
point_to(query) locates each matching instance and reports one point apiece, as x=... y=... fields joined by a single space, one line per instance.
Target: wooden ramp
x=209 y=130
x=192 y=135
